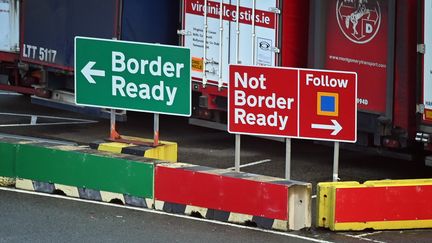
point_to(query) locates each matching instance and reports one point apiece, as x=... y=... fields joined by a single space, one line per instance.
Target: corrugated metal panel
x=251 y=41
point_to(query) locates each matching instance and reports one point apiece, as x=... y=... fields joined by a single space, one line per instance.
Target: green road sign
x=132 y=76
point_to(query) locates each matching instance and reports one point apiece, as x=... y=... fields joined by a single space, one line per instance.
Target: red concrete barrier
x=225 y=195
x=387 y=204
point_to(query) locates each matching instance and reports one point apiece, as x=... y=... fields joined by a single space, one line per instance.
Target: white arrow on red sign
x=336 y=127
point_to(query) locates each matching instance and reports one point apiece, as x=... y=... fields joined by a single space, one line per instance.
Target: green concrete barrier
x=77 y=172
x=85 y=168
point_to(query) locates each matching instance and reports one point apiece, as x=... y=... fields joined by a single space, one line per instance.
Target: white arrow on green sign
x=132 y=76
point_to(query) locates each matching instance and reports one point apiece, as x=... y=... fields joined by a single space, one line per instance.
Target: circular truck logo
x=264 y=45
x=359 y=20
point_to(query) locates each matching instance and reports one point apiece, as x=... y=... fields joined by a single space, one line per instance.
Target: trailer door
x=427 y=61
x=9 y=25
x=50 y=26
x=247 y=41
x=357 y=37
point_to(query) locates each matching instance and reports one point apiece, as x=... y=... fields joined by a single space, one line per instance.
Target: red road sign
x=292 y=102
x=259 y=105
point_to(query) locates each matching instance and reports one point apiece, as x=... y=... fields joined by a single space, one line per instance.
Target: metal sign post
x=336 y=162
x=237 y=55
x=156 y=130
x=237 y=152
x=288 y=159
x=113 y=131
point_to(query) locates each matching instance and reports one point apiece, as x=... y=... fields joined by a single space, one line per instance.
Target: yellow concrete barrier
x=379 y=205
x=166 y=151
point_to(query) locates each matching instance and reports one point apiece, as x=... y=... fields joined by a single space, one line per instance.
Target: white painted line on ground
x=359 y=237
x=368 y=234
x=34 y=118
x=9 y=93
x=42 y=116
x=165 y=213
x=45 y=124
x=4 y=135
x=252 y=163
x=313 y=196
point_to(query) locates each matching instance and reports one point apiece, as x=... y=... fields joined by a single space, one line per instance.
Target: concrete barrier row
x=217 y=194
x=173 y=187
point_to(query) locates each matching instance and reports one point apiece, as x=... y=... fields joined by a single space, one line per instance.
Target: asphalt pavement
x=32 y=218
